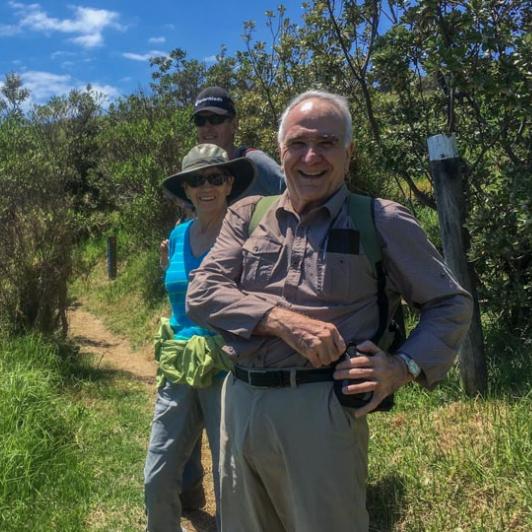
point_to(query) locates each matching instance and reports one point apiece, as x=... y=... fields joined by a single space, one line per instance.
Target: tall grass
x=43 y=477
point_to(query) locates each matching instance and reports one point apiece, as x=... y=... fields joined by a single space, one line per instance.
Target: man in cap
x=287 y=299
x=216 y=122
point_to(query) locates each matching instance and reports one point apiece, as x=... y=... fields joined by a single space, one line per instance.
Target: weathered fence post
x=446 y=172
x=111 y=257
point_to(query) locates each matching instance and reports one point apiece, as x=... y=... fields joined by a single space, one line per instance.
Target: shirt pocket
x=345 y=279
x=259 y=257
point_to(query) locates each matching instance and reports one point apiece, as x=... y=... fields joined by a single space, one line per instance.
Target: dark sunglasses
x=197 y=180
x=215 y=120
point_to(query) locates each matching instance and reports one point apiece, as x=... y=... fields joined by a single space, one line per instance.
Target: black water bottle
x=357 y=400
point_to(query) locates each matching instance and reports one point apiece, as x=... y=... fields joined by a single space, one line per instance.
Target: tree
x=13 y=94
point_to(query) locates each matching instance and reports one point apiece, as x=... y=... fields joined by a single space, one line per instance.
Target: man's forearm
x=318 y=341
x=274 y=322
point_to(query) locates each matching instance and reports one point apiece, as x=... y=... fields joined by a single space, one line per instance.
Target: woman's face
x=209 y=198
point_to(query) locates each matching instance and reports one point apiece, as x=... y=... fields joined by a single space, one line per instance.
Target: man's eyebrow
x=304 y=136
x=326 y=136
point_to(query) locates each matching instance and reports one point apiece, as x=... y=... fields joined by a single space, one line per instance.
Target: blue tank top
x=180 y=263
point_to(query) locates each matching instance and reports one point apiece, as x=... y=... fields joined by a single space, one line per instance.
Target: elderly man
x=287 y=299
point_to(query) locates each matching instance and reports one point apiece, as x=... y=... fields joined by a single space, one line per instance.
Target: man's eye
x=327 y=143
x=296 y=144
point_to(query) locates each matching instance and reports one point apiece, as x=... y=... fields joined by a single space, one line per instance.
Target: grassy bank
x=114 y=437
x=73 y=440
x=44 y=476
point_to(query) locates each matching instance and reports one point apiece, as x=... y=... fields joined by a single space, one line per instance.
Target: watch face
x=414 y=368
x=411 y=365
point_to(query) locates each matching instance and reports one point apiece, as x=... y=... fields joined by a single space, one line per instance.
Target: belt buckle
x=283 y=379
x=293 y=377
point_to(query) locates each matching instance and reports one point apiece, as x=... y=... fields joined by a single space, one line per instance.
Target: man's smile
x=312 y=175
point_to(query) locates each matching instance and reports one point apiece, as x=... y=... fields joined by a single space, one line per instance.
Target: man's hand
x=318 y=341
x=382 y=374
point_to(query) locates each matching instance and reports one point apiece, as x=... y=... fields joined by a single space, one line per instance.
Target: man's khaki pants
x=292 y=460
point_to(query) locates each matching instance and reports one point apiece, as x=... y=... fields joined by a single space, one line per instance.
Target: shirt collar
x=332 y=206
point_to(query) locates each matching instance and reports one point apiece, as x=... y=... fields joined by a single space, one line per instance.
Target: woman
x=190 y=373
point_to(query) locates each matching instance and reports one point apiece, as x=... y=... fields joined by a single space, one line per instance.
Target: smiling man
x=287 y=299
x=216 y=123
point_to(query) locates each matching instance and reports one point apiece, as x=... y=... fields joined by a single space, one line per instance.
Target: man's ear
x=350 y=150
x=234 y=123
x=280 y=153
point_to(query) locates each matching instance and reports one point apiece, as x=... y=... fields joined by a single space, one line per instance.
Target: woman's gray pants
x=181 y=413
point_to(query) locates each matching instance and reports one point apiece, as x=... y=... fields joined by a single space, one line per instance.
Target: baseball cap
x=216 y=100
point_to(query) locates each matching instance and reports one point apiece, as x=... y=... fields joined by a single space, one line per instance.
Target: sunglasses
x=214 y=120
x=197 y=180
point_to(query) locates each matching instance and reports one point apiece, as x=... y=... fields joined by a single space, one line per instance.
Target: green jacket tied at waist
x=194 y=361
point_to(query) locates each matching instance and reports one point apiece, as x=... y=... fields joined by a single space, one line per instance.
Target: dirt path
x=115 y=353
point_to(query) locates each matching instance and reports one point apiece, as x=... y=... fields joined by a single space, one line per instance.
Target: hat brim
x=215 y=110
x=242 y=169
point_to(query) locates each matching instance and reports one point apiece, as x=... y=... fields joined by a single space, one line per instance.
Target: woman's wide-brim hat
x=207 y=156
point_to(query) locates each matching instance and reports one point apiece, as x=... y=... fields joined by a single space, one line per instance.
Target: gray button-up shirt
x=285 y=262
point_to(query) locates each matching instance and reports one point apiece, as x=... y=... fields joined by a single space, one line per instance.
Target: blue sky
x=58 y=46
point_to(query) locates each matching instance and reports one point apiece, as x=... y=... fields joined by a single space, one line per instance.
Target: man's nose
x=206 y=127
x=312 y=153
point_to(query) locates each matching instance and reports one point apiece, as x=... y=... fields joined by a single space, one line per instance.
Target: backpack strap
x=242 y=151
x=261 y=207
x=362 y=214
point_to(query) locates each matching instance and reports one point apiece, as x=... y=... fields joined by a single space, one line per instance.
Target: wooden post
x=111 y=257
x=446 y=172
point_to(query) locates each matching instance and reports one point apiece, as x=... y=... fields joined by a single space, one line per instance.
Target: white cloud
x=143 y=57
x=89 y=41
x=157 y=40
x=44 y=85
x=210 y=59
x=61 y=53
x=6 y=30
x=107 y=91
x=88 y=23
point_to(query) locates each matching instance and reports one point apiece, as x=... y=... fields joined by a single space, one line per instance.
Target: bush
x=37 y=221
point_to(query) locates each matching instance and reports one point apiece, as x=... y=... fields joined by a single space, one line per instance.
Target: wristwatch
x=411 y=365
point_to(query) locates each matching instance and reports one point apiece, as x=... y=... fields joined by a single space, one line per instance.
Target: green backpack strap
x=362 y=214
x=261 y=207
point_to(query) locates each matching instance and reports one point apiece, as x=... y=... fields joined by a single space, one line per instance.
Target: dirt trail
x=115 y=353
